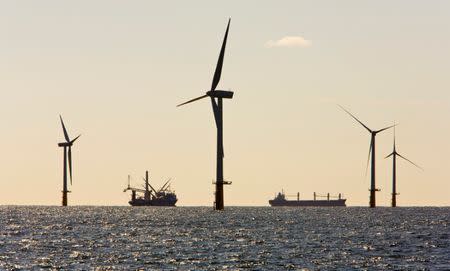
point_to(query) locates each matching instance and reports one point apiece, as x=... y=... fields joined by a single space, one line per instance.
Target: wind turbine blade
x=69 y=154
x=410 y=161
x=394 y=137
x=355 y=118
x=216 y=115
x=389 y=155
x=66 y=136
x=215 y=110
x=368 y=157
x=218 y=71
x=385 y=128
x=193 y=100
x=71 y=142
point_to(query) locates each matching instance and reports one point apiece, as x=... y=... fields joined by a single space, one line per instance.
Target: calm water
x=184 y=238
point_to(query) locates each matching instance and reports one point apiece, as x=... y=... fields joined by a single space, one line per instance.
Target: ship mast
x=147 y=191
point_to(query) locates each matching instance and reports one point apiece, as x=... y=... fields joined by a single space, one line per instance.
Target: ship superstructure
x=149 y=196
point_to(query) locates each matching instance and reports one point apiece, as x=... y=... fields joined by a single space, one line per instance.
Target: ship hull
x=308 y=203
x=153 y=202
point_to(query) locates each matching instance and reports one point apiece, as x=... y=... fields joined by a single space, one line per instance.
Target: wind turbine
x=218 y=116
x=373 y=134
x=67 y=156
x=394 y=155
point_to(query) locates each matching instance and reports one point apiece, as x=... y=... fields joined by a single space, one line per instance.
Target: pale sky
x=116 y=70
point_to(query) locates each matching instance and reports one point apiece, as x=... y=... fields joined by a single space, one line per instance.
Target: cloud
x=289 y=41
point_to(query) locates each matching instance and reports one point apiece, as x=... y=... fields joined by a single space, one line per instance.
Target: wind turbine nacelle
x=64 y=144
x=220 y=94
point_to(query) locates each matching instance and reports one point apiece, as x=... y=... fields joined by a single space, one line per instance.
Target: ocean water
x=198 y=238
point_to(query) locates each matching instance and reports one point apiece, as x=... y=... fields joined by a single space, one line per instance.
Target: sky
x=115 y=71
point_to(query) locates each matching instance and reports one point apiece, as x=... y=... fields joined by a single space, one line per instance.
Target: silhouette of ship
x=150 y=196
x=280 y=201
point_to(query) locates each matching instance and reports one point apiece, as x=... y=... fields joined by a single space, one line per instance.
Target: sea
x=238 y=238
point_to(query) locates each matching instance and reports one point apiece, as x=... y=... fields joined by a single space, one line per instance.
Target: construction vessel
x=164 y=196
x=280 y=200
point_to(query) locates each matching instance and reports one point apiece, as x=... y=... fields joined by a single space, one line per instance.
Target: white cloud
x=289 y=41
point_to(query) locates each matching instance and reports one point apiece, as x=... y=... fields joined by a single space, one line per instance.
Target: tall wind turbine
x=218 y=116
x=373 y=134
x=394 y=155
x=67 y=156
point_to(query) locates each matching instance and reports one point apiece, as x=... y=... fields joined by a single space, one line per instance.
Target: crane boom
x=164 y=186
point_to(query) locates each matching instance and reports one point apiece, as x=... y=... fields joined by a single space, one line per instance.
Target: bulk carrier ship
x=330 y=201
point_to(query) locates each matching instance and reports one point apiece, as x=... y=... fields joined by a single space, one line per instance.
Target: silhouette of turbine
x=67 y=156
x=394 y=155
x=218 y=116
x=373 y=134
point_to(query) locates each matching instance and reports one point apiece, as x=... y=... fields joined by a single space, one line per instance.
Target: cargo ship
x=280 y=200
x=150 y=196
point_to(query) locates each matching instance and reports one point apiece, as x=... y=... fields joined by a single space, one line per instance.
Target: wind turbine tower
x=216 y=101
x=394 y=155
x=66 y=160
x=373 y=189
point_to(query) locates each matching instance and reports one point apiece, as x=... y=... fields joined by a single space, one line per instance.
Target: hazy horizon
x=116 y=70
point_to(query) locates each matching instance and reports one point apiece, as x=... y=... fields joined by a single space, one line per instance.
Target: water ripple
x=189 y=238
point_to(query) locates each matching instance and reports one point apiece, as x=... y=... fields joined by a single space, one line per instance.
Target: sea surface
x=238 y=238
